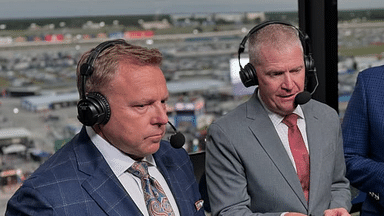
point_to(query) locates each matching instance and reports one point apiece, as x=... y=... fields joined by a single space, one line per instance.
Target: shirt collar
x=116 y=159
x=276 y=118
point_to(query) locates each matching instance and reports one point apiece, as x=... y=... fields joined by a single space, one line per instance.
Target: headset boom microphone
x=305 y=96
x=302 y=97
x=178 y=139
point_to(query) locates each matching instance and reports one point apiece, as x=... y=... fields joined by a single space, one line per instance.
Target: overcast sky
x=68 y=8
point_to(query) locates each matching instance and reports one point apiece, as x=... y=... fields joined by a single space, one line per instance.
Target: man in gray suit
x=251 y=166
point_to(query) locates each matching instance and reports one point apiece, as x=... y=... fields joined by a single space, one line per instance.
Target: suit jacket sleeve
x=226 y=172
x=363 y=133
x=227 y=195
x=33 y=203
x=340 y=189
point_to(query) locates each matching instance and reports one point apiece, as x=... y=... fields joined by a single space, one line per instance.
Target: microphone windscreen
x=302 y=97
x=177 y=140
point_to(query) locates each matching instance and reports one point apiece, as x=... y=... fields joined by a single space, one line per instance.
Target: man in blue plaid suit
x=122 y=106
x=363 y=134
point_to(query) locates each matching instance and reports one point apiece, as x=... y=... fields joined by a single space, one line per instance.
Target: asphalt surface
x=44 y=132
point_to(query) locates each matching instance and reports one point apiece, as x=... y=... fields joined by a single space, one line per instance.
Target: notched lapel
x=164 y=163
x=109 y=194
x=169 y=169
x=173 y=167
x=315 y=150
x=266 y=135
x=102 y=185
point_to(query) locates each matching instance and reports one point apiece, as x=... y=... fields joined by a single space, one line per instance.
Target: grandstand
x=49 y=102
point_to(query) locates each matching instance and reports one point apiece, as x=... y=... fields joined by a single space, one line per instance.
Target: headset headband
x=304 y=38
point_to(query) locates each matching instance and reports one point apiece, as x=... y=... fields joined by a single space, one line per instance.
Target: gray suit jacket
x=249 y=172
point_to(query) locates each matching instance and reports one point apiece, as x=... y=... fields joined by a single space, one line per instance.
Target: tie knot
x=139 y=169
x=290 y=120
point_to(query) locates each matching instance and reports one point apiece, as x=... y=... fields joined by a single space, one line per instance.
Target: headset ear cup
x=248 y=75
x=310 y=73
x=104 y=106
x=309 y=63
x=86 y=112
x=94 y=109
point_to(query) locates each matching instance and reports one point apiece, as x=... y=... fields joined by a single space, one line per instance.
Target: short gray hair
x=275 y=35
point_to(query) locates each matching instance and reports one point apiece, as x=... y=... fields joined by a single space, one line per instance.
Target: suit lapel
x=177 y=170
x=315 y=150
x=168 y=169
x=268 y=138
x=102 y=185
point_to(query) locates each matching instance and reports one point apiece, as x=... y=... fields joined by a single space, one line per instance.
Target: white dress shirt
x=282 y=129
x=120 y=162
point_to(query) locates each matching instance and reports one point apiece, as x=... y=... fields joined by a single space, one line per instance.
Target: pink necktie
x=299 y=151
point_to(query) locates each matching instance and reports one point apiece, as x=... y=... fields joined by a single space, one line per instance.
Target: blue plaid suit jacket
x=363 y=134
x=77 y=180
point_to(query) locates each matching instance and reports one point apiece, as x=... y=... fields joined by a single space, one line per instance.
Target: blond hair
x=106 y=63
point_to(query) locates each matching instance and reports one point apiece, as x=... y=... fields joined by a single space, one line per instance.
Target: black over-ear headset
x=248 y=73
x=93 y=108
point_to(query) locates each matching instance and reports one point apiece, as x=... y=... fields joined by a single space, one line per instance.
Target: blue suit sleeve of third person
x=363 y=134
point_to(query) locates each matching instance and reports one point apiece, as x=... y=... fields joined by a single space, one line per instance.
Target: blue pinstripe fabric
x=363 y=135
